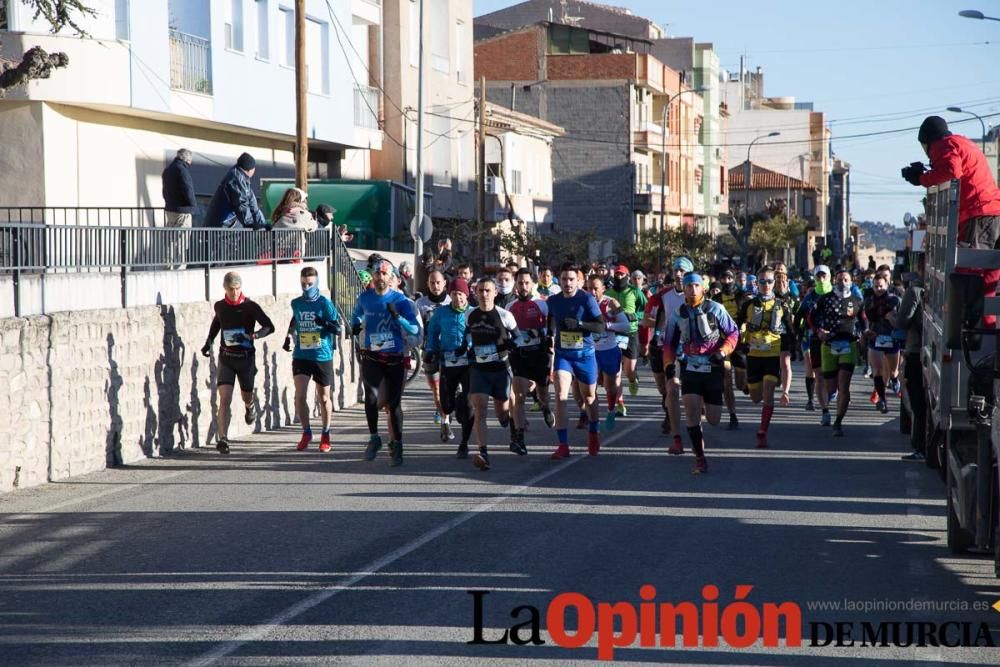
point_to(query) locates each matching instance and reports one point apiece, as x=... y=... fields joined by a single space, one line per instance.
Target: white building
x=153 y=76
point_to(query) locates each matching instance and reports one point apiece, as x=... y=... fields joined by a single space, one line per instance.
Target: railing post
x=122 y=251
x=274 y=262
x=16 y=239
x=208 y=263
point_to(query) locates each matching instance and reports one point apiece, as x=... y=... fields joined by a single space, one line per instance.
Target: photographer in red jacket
x=954 y=156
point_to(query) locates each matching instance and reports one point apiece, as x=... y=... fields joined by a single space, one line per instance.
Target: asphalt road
x=272 y=556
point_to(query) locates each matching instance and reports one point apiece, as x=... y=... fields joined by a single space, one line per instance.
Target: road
x=272 y=556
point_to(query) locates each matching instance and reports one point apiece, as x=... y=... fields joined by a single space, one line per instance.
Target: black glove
x=462 y=350
x=287 y=347
x=429 y=357
x=717 y=358
x=327 y=325
x=912 y=173
x=391 y=307
x=571 y=323
x=355 y=328
x=206 y=350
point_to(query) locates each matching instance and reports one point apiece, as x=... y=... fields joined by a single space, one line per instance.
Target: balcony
x=642 y=201
x=190 y=63
x=648 y=138
x=366 y=107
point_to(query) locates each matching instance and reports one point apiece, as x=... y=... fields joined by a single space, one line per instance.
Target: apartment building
x=609 y=93
x=449 y=103
x=218 y=78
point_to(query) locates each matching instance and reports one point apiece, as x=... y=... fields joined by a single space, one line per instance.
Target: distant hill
x=882 y=235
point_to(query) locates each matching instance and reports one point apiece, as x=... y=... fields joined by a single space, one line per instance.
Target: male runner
x=444 y=344
x=658 y=311
x=531 y=359
x=623 y=292
x=883 y=348
x=608 y=346
x=435 y=298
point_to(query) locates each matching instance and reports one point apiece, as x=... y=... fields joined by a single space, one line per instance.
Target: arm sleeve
x=357 y=317
x=946 y=164
x=332 y=325
x=621 y=323
x=291 y=326
x=408 y=322
x=213 y=330
x=729 y=329
x=266 y=325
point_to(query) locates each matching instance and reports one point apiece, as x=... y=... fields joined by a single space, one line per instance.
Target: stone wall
x=121 y=385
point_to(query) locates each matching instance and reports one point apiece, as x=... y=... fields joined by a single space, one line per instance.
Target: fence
x=92 y=216
x=44 y=249
x=190 y=63
x=366 y=107
x=345 y=286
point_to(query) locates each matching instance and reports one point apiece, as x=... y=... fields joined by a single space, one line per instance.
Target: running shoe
x=374 y=444
x=761 y=439
x=838 y=431
x=222 y=445
x=561 y=452
x=894 y=385
x=609 y=421
x=446 y=432
x=882 y=407
x=633 y=386
x=868 y=372
x=324 y=443
x=810 y=406
x=734 y=423
x=677 y=448
x=304 y=442
x=517 y=444
x=535 y=407
x=462 y=452
x=396 y=452
x=621 y=409
x=824 y=419
x=550 y=419
x=482 y=460
x=593 y=443
x=582 y=422
x=700 y=466
x=874 y=397
x=437 y=417
x=504 y=420
x=834 y=395
x=250 y=415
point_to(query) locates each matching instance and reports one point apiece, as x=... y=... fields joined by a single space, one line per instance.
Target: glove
x=206 y=350
x=717 y=358
x=355 y=328
x=571 y=324
x=287 y=347
x=391 y=307
x=429 y=357
x=462 y=350
x=912 y=173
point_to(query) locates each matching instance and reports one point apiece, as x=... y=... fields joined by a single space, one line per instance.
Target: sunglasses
x=766 y=281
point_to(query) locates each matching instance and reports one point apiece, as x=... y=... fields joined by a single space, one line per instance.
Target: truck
x=961 y=373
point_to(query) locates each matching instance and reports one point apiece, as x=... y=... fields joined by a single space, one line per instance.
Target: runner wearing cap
x=445 y=345
x=704 y=333
x=659 y=310
x=622 y=292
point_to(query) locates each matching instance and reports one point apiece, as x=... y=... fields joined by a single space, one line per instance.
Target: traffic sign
x=424 y=231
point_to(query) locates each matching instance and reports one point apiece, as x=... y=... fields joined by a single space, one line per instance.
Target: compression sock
x=810 y=386
x=563 y=436
x=880 y=387
x=694 y=432
x=765 y=417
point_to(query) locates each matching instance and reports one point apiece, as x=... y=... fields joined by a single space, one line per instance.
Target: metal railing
x=93 y=216
x=190 y=63
x=41 y=249
x=366 y=101
x=345 y=285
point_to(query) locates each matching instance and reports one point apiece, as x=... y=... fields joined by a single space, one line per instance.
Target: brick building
x=608 y=92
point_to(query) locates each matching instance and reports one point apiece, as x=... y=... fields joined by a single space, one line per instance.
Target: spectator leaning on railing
x=234 y=202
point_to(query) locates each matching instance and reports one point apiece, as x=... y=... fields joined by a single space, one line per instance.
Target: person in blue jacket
x=387 y=318
x=313 y=332
x=445 y=344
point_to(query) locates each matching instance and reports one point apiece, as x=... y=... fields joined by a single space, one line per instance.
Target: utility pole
x=481 y=190
x=418 y=245
x=301 y=89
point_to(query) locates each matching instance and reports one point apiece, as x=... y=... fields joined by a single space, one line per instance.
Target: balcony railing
x=190 y=63
x=366 y=107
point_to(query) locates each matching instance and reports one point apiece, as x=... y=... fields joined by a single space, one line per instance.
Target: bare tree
x=36 y=63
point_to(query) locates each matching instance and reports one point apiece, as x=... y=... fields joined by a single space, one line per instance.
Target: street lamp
x=976 y=14
x=747 y=177
x=981 y=122
x=663 y=165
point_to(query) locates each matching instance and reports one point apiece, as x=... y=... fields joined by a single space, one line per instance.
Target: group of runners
x=509 y=336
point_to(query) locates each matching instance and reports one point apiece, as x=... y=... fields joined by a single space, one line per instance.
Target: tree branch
x=35 y=64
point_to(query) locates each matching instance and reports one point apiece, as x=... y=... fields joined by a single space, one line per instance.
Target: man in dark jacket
x=234 y=203
x=178 y=190
x=909 y=318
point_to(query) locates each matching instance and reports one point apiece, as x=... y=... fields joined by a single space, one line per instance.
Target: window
x=288 y=37
x=515 y=181
x=439 y=34
x=460 y=74
x=234 y=25
x=437 y=146
x=807 y=207
x=414 y=33
x=263 y=38
x=318 y=57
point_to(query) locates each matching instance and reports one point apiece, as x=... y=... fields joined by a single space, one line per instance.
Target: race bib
x=528 y=338
x=698 y=363
x=233 y=337
x=486 y=353
x=571 y=340
x=884 y=343
x=453 y=360
x=382 y=342
x=310 y=340
x=841 y=347
x=599 y=338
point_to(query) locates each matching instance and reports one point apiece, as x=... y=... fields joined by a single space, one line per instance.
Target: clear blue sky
x=873 y=65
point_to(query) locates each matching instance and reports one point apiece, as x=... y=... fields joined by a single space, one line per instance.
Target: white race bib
x=486 y=353
x=571 y=340
x=528 y=339
x=453 y=360
x=884 y=343
x=841 y=347
x=698 y=363
x=233 y=337
x=310 y=340
x=382 y=342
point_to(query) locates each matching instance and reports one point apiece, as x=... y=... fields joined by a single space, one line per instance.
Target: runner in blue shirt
x=574 y=315
x=387 y=317
x=313 y=332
